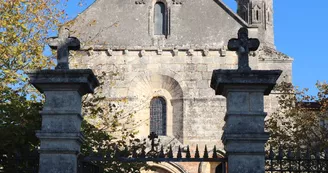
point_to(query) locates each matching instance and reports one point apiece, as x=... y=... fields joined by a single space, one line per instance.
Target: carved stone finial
x=243 y=45
x=63 y=44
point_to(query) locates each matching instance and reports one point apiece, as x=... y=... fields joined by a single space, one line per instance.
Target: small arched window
x=160 y=19
x=257 y=15
x=158 y=116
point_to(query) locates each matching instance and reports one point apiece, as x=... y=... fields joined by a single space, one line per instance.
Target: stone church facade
x=164 y=53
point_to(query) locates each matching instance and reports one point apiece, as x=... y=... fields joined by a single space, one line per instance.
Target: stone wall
x=194 y=114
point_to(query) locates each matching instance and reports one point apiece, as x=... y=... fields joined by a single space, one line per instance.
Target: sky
x=301 y=31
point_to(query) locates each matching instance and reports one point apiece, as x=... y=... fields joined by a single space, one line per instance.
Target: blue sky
x=301 y=31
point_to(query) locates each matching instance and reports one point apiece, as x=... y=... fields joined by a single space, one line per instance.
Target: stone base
x=247 y=163
x=60 y=134
x=58 y=163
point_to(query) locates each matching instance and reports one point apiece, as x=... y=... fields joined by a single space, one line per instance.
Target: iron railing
x=296 y=161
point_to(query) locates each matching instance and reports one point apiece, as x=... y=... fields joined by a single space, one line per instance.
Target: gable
x=128 y=23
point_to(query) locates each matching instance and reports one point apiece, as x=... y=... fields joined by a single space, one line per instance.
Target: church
x=163 y=53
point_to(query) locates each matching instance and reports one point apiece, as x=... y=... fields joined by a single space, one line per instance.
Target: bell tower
x=258 y=13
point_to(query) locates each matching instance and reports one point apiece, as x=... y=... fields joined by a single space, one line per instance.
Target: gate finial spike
x=289 y=154
x=117 y=153
x=317 y=154
x=134 y=153
x=205 y=153
x=161 y=153
x=307 y=154
x=179 y=155
x=170 y=154
x=298 y=154
x=280 y=153
x=197 y=152
x=143 y=152
x=271 y=154
x=214 y=153
x=188 y=153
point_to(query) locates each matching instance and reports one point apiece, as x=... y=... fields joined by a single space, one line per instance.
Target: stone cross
x=152 y=137
x=243 y=45
x=63 y=44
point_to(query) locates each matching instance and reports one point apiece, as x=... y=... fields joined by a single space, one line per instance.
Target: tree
x=301 y=120
x=24 y=26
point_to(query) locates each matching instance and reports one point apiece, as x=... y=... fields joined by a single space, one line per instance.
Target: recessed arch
x=148 y=85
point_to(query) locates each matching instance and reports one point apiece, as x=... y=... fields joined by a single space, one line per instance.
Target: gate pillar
x=244 y=136
x=60 y=134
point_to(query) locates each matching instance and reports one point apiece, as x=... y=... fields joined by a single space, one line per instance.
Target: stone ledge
x=251 y=114
x=61 y=113
x=254 y=137
x=82 y=80
x=58 y=151
x=221 y=79
x=52 y=135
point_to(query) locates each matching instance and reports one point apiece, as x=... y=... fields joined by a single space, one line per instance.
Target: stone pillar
x=60 y=134
x=244 y=136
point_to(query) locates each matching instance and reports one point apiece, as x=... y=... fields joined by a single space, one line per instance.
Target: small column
x=244 y=137
x=60 y=134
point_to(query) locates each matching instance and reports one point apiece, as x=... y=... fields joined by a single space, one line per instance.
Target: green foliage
x=110 y=132
x=24 y=25
x=301 y=120
x=19 y=119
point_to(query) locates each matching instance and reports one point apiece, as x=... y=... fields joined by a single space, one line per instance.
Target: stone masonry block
x=238 y=102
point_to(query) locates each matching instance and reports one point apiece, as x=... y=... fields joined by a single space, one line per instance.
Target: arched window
x=160 y=19
x=158 y=116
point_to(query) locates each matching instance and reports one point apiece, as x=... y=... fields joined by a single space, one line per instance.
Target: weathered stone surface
x=244 y=136
x=257 y=78
x=98 y=26
x=175 y=67
x=60 y=134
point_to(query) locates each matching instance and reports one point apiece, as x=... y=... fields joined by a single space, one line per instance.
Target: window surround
x=151 y=26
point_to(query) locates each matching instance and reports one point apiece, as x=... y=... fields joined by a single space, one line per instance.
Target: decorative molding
x=191 y=52
x=175 y=52
x=109 y=52
x=90 y=52
x=177 y=2
x=142 y=53
x=223 y=51
x=206 y=51
x=159 y=51
x=139 y=2
x=125 y=51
